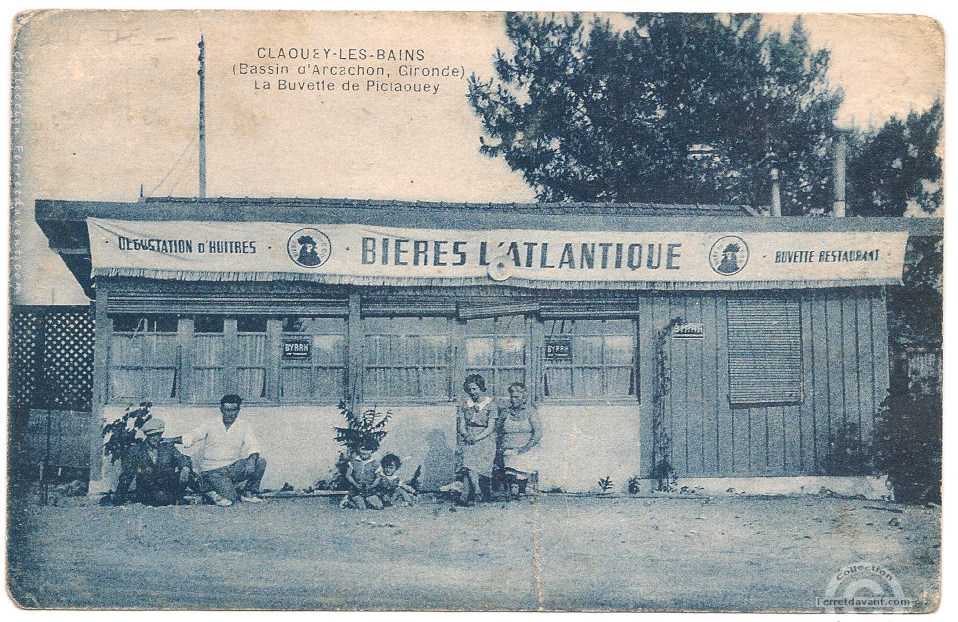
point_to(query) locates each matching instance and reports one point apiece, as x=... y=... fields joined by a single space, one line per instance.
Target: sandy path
x=727 y=553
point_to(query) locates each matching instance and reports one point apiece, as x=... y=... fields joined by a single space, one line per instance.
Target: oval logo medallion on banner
x=500 y=268
x=729 y=255
x=309 y=247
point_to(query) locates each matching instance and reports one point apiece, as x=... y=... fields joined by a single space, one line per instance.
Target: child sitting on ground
x=390 y=487
x=363 y=479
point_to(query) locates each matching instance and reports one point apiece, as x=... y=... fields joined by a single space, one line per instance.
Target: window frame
x=629 y=399
x=524 y=332
x=311 y=364
x=233 y=366
x=176 y=367
x=450 y=366
x=189 y=335
x=185 y=370
x=357 y=374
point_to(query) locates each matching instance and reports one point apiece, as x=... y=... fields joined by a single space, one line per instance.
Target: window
x=497 y=349
x=250 y=357
x=764 y=351
x=229 y=356
x=313 y=363
x=208 y=365
x=142 y=358
x=589 y=359
x=406 y=358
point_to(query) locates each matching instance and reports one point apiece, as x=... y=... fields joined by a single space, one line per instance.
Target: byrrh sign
x=367 y=255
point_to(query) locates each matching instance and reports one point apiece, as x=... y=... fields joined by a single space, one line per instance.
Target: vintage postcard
x=475 y=311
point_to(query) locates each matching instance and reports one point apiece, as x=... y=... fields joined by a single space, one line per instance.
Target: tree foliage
x=915 y=314
x=680 y=108
x=369 y=427
x=896 y=170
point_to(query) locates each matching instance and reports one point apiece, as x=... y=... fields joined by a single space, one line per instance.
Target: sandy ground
x=554 y=553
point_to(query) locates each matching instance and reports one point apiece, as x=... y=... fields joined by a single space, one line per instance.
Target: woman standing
x=475 y=427
x=520 y=429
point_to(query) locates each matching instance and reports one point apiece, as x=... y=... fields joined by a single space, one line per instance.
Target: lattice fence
x=51 y=358
x=26 y=329
x=51 y=389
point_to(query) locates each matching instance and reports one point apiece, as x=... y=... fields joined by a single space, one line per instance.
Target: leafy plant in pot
x=123 y=433
x=370 y=426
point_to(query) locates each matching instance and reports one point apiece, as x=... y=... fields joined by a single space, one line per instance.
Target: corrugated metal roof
x=284 y=209
x=630 y=209
x=55 y=214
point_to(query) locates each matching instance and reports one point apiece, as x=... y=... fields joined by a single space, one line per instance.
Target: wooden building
x=722 y=343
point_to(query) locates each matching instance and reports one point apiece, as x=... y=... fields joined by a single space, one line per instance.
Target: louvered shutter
x=764 y=351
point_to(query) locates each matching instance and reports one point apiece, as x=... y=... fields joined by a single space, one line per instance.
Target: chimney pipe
x=776 y=211
x=838 y=174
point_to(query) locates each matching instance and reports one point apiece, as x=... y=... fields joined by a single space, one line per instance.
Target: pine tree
x=896 y=170
x=681 y=108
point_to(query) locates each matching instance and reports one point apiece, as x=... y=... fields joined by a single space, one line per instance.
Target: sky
x=110 y=106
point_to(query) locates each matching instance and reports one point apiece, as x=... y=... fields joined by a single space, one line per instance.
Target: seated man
x=230 y=456
x=159 y=472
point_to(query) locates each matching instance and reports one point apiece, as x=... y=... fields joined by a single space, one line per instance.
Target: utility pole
x=202 y=157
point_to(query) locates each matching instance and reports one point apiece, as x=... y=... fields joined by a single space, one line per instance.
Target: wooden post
x=185 y=360
x=274 y=330
x=354 y=350
x=230 y=346
x=536 y=365
x=101 y=349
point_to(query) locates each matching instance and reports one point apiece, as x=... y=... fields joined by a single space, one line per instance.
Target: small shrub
x=359 y=429
x=122 y=434
x=606 y=484
x=635 y=485
x=664 y=476
x=847 y=454
x=907 y=446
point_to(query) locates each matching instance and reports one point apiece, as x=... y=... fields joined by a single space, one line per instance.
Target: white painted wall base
x=298 y=441
x=580 y=445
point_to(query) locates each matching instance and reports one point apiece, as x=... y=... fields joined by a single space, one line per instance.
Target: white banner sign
x=359 y=254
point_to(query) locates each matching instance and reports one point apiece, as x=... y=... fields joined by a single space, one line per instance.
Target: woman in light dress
x=519 y=431
x=476 y=435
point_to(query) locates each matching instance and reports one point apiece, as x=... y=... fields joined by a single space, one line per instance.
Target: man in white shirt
x=230 y=456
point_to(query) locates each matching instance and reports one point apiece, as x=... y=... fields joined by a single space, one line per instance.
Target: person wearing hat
x=159 y=473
